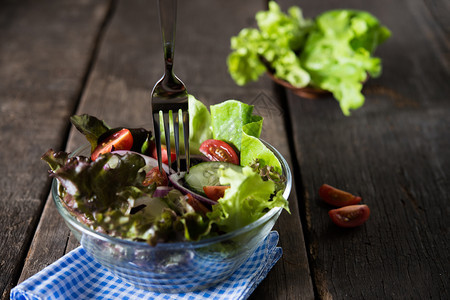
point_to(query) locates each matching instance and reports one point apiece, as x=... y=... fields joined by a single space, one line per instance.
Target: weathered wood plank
x=45 y=49
x=394 y=152
x=130 y=62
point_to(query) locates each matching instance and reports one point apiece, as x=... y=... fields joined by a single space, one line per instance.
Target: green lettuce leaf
x=228 y=118
x=333 y=52
x=253 y=148
x=338 y=52
x=199 y=124
x=248 y=198
x=273 y=45
x=233 y=122
x=91 y=127
x=199 y=127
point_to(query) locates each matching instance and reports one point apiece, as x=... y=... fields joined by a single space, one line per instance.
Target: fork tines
x=173 y=109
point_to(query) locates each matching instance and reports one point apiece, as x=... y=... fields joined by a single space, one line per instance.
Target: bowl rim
x=72 y=220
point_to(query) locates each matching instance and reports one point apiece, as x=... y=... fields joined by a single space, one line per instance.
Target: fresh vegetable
x=350 y=216
x=106 y=190
x=123 y=193
x=120 y=140
x=164 y=155
x=233 y=122
x=197 y=205
x=217 y=150
x=207 y=174
x=215 y=192
x=177 y=180
x=105 y=139
x=91 y=127
x=333 y=52
x=337 y=197
x=268 y=172
x=155 y=176
x=248 y=198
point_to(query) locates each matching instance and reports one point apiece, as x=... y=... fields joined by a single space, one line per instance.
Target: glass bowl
x=174 y=267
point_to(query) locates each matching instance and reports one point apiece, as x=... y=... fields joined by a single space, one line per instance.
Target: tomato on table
x=217 y=150
x=350 y=216
x=337 y=197
x=120 y=140
x=215 y=192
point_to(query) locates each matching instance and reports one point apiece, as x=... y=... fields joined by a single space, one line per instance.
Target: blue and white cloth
x=77 y=276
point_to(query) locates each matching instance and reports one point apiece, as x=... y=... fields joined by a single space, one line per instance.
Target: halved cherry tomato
x=155 y=176
x=196 y=205
x=165 y=158
x=120 y=140
x=215 y=192
x=217 y=150
x=337 y=197
x=350 y=216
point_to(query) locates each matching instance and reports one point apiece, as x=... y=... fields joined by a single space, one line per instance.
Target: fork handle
x=168 y=18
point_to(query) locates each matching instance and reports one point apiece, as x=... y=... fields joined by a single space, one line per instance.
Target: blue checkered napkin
x=78 y=276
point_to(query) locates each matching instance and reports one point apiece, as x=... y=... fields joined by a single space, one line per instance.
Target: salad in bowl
x=164 y=230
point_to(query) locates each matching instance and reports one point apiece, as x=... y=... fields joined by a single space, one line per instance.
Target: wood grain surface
x=128 y=64
x=394 y=152
x=58 y=58
x=45 y=50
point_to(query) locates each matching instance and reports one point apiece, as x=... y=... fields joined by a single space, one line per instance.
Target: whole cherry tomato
x=217 y=150
x=350 y=216
x=120 y=140
x=337 y=197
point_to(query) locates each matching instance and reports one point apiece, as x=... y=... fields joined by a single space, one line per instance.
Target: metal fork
x=169 y=95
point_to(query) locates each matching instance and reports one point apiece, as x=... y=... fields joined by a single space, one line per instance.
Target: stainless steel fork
x=169 y=96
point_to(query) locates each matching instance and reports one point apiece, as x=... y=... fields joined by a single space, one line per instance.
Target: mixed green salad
x=119 y=190
x=333 y=52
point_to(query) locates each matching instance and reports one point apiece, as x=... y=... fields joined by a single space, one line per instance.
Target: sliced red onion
x=177 y=181
x=162 y=191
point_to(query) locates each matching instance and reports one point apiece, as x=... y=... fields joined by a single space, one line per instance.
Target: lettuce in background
x=338 y=54
x=276 y=41
x=332 y=52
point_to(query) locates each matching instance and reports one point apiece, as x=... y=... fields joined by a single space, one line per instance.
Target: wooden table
x=58 y=58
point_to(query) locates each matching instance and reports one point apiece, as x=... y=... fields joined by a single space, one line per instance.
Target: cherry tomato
x=196 y=205
x=217 y=150
x=165 y=158
x=120 y=140
x=215 y=192
x=337 y=197
x=155 y=176
x=350 y=216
